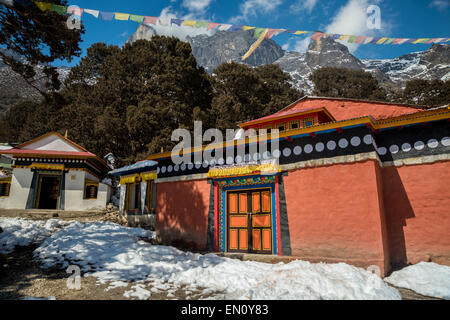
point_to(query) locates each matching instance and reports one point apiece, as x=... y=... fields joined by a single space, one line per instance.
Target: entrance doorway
x=48 y=194
x=249 y=221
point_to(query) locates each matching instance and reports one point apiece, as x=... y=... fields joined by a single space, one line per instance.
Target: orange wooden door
x=249 y=221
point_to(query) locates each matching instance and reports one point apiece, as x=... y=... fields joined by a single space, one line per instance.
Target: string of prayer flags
x=268 y=32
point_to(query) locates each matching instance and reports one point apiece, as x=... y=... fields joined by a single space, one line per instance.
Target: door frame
x=39 y=187
x=274 y=216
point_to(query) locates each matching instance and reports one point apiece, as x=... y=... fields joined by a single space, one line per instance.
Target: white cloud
x=198 y=6
x=301 y=5
x=252 y=8
x=181 y=32
x=299 y=45
x=351 y=20
x=440 y=4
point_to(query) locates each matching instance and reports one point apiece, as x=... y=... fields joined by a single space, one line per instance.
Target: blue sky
x=400 y=18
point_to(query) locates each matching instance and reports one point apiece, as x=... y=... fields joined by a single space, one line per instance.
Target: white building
x=51 y=172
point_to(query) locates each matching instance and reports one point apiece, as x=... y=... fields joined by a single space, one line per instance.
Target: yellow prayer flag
x=255 y=45
x=381 y=40
x=245 y=28
x=122 y=16
x=343 y=37
x=43 y=5
x=423 y=40
x=189 y=23
x=300 y=32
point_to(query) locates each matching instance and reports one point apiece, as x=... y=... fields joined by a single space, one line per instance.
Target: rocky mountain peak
x=326 y=52
x=224 y=46
x=143 y=32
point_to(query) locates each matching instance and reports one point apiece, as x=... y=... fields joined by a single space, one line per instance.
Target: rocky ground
x=21 y=276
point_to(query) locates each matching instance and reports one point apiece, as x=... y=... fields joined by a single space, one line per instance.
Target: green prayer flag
x=58 y=9
x=352 y=39
x=258 y=32
x=200 y=24
x=136 y=18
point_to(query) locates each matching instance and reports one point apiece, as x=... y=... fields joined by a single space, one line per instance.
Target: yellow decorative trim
x=44 y=166
x=244 y=170
x=130 y=179
x=308 y=120
x=6 y=180
x=149 y=176
x=88 y=182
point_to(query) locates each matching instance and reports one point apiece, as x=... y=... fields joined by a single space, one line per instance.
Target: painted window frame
x=90 y=183
x=8 y=183
x=294 y=122
x=313 y=120
x=283 y=124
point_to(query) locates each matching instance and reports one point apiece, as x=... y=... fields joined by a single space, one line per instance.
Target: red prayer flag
x=150 y=20
x=359 y=39
x=212 y=26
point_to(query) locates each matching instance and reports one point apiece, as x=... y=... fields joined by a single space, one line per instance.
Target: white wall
x=74 y=191
x=51 y=142
x=20 y=188
x=74 y=195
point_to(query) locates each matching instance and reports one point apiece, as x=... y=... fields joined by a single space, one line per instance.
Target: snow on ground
x=115 y=254
x=427 y=278
x=22 y=232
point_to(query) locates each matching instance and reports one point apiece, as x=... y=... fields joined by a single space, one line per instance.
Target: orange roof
x=341 y=109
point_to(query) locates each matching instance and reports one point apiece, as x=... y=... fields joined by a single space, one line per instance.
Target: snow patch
x=114 y=253
x=23 y=232
x=426 y=278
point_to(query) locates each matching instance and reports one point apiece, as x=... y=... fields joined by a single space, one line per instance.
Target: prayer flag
x=273 y=32
x=43 y=5
x=368 y=40
x=122 y=16
x=423 y=40
x=225 y=27
x=107 y=16
x=150 y=20
x=343 y=37
x=301 y=32
x=92 y=12
x=58 y=9
x=382 y=40
x=258 y=32
x=375 y=40
x=201 y=24
x=164 y=21
x=389 y=41
x=75 y=10
x=255 y=45
x=212 y=26
x=359 y=39
x=178 y=22
x=189 y=23
x=136 y=18
x=236 y=27
x=351 y=39
x=245 y=28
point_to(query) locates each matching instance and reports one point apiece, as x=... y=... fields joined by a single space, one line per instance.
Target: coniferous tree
x=34 y=37
x=346 y=83
x=425 y=92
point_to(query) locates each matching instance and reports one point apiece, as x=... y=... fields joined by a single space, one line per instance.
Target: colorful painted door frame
x=222 y=186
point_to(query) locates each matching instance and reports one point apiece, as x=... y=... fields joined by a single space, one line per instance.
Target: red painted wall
x=336 y=214
x=417 y=200
x=182 y=212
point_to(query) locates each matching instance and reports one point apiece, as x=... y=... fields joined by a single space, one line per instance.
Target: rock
x=55 y=215
x=1 y=230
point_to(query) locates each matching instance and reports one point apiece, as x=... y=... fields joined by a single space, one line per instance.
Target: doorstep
x=266 y=258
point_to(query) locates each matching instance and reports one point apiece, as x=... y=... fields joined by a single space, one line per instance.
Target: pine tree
x=34 y=37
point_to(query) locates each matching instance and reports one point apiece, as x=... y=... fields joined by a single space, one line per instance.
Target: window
x=281 y=127
x=294 y=125
x=5 y=187
x=90 y=190
x=309 y=122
